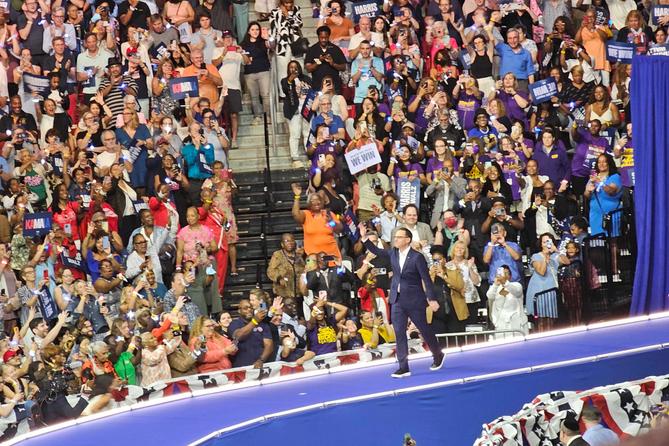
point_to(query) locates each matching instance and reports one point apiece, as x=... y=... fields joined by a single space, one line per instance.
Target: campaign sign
x=369 y=8
x=658 y=11
x=36 y=224
x=139 y=205
x=306 y=111
x=659 y=50
x=620 y=51
x=91 y=78
x=35 y=84
x=351 y=224
x=71 y=262
x=592 y=155
x=408 y=192
x=160 y=51
x=543 y=90
x=46 y=304
x=627 y=167
x=362 y=158
x=183 y=87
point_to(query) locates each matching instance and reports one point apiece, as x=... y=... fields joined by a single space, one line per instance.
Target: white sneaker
x=256 y=121
x=297 y=164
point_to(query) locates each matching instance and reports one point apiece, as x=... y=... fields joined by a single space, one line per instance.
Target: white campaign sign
x=362 y=158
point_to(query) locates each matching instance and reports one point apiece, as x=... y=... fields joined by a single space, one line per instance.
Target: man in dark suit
x=411 y=291
x=332 y=277
x=569 y=432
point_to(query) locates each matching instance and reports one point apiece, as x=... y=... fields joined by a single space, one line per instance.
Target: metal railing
x=475 y=337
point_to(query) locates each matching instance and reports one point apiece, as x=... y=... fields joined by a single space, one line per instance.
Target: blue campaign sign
x=71 y=262
x=351 y=224
x=659 y=50
x=620 y=51
x=543 y=90
x=36 y=224
x=368 y=8
x=408 y=191
x=658 y=11
x=306 y=111
x=183 y=87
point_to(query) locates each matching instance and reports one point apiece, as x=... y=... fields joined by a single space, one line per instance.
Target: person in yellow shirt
x=375 y=330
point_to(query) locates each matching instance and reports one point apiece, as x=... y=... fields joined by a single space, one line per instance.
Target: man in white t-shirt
x=376 y=39
x=112 y=154
x=231 y=57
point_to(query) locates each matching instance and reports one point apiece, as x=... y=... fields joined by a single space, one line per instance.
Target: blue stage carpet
x=449 y=415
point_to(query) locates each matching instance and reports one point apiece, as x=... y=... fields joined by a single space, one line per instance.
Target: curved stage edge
x=476 y=385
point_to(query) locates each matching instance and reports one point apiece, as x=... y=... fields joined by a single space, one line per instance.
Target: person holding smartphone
x=540 y=301
x=506 y=298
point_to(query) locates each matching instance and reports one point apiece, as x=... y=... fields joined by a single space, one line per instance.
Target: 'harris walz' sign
x=658 y=11
x=620 y=51
x=368 y=8
x=37 y=224
x=543 y=90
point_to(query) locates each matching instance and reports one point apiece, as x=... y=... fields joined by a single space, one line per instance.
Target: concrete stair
x=250 y=157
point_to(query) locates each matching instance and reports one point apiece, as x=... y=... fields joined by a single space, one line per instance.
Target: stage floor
x=186 y=420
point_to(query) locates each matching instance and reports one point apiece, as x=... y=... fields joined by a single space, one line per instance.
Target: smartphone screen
x=105 y=242
x=232 y=48
x=45 y=274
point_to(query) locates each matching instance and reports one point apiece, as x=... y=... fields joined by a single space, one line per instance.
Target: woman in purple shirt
x=515 y=102
x=322 y=147
x=468 y=100
x=436 y=162
x=403 y=164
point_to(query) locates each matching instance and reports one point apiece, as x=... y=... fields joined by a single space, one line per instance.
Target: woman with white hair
x=155 y=366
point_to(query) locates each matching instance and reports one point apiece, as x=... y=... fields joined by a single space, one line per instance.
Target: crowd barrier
x=20 y=424
x=625 y=408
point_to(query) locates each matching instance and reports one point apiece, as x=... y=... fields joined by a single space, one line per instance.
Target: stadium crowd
x=117 y=228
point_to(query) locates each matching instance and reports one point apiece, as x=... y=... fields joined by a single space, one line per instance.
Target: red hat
x=9 y=354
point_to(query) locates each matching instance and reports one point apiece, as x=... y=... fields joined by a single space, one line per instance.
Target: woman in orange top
x=219 y=349
x=319 y=225
x=593 y=38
